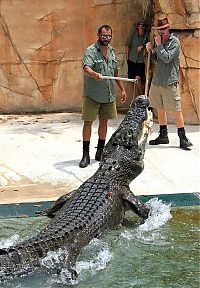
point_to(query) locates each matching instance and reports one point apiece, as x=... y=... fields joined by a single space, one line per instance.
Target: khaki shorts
x=167 y=97
x=91 y=109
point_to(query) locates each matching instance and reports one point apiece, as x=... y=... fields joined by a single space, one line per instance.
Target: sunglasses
x=105 y=37
x=162 y=29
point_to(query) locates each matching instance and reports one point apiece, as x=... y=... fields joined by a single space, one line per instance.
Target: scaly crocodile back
x=96 y=205
x=88 y=212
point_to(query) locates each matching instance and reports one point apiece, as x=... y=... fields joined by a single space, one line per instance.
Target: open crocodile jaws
x=98 y=204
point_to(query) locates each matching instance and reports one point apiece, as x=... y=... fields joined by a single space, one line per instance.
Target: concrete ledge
x=39 y=157
x=24 y=210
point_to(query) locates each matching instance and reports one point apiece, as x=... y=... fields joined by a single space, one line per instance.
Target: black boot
x=85 y=161
x=162 y=138
x=98 y=154
x=100 y=146
x=184 y=141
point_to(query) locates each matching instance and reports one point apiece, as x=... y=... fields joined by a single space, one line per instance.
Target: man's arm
x=88 y=64
x=167 y=56
x=172 y=52
x=149 y=48
x=126 y=52
x=123 y=96
x=88 y=70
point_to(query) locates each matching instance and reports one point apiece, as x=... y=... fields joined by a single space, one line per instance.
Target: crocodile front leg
x=134 y=203
x=57 y=205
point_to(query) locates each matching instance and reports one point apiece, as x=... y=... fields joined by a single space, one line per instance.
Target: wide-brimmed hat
x=162 y=23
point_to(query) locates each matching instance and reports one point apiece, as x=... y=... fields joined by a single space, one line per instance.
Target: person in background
x=134 y=49
x=99 y=95
x=164 y=91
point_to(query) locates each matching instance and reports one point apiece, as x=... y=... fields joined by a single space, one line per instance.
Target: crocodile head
x=125 y=150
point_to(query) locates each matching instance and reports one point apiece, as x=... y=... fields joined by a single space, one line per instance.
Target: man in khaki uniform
x=99 y=95
x=164 y=91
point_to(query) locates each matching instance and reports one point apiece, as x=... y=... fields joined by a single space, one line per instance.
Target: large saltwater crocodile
x=98 y=204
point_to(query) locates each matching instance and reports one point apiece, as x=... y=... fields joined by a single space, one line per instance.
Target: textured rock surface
x=42 y=44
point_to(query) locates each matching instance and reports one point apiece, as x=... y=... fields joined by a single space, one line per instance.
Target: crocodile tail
x=9 y=263
x=19 y=260
x=26 y=256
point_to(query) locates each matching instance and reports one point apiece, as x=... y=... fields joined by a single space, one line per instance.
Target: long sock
x=101 y=143
x=181 y=129
x=163 y=127
x=86 y=146
x=181 y=132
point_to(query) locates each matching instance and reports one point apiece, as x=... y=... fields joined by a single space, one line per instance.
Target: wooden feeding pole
x=147 y=82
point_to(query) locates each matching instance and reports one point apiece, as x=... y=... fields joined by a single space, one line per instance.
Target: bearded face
x=105 y=37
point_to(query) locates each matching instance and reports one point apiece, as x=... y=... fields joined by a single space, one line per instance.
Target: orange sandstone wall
x=42 y=44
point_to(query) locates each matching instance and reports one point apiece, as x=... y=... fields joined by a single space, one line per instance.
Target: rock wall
x=43 y=41
x=42 y=45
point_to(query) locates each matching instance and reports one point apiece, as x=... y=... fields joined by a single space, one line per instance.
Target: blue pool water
x=160 y=253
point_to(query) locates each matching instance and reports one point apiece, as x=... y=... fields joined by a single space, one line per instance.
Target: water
x=160 y=253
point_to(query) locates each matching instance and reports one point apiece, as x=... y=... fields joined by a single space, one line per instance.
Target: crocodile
x=98 y=204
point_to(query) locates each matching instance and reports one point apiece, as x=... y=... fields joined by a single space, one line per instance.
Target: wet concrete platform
x=39 y=157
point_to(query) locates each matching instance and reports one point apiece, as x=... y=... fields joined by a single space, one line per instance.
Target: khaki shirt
x=133 y=41
x=166 y=59
x=102 y=91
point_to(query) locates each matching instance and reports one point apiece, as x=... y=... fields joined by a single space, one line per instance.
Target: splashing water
x=98 y=260
x=159 y=215
x=141 y=256
x=97 y=263
x=98 y=252
x=54 y=258
x=149 y=230
x=57 y=259
x=5 y=243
